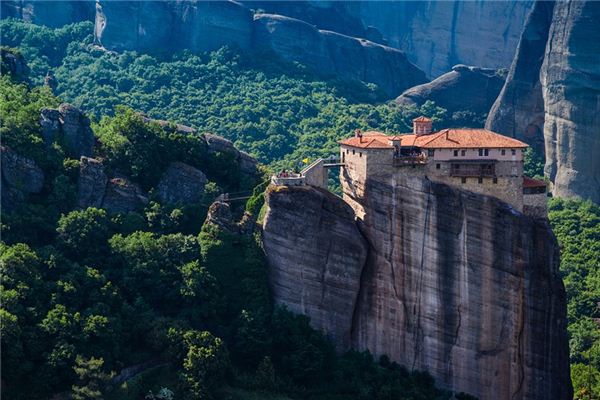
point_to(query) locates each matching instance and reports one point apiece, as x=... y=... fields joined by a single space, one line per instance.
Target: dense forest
x=89 y=297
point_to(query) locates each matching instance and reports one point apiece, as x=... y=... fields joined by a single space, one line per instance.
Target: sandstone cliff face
x=570 y=80
x=69 y=124
x=454 y=283
x=519 y=109
x=316 y=255
x=462 y=89
x=202 y=26
x=553 y=91
x=50 y=13
x=434 y=34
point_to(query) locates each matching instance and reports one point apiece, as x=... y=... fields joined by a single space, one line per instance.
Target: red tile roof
x=368 y=142
x=444 y=139
x=462 y=138
x=421 y=119
x=530 y=182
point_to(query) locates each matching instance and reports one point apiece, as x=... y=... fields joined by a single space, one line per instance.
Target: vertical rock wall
x=454 y=283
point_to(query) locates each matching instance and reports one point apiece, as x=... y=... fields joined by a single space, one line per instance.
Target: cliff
x=462 y=89
x=454 y=283
x=50 y=13
x=434 y=34
x=552 y=94
x=151 y=26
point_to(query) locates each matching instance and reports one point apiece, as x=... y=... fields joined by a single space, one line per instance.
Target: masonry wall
x=535 y=205
x=316 y=175
x=473 y=154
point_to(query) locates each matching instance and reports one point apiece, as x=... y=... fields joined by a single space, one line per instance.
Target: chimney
x=422 y=126
x=358 y=134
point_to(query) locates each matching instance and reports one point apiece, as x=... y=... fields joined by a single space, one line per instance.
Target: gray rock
x=70 y=125
x=20 y=177
x=181 y=184
x=316 y=255
x=219 y=214
x=217 y=144
x=570 y=80
x=92 y=183
x=50 y=13
x=14 y=64
x=519 y=109
x=123 y=196
x=462 y=89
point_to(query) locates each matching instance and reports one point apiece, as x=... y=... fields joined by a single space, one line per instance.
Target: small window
x=430 y=152
x=503 y=152
x=486 y=152
x=353 y=152
x=495 y=180
x=480 y=152
x=480 y=180
x=462 y=153
x=463 y=180
x=360 y=153
x=455 y=153
x=513 y=152
x=437 y=166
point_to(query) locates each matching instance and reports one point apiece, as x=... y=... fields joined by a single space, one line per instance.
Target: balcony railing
x=400 y=159
x=473 y=170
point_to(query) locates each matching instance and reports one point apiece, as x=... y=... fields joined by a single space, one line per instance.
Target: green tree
x=92 y=379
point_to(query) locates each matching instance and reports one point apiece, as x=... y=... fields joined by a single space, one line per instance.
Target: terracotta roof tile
x=369 y=142
x=530 y=182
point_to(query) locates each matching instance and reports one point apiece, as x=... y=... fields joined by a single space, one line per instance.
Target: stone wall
x=535 y=205
x=315 y=174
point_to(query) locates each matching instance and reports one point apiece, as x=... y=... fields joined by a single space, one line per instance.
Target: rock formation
x=435 y=35
x=92 y=183
x=123 y=196
x=202 y=26
x=519 y=109
x=570 y=79
x=181 y=184
x=454 y=283
x=70 y=125
x=553 y=88
x=20 y=177
x=316 y=255
x=13 y=64
x=462 y=89
x=50 y=13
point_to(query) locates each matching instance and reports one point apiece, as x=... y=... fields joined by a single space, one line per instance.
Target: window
x=430 y=152
x=480 y=180
x=343 y=157
x=455 y=153
x=495 y=180
x=360 y=153
x=463 y=180
x=462 y=153
x=513 y=152
x=503 y=152
x=437 y=166
x=480 y=152
x=486 y=152
x=353 y=152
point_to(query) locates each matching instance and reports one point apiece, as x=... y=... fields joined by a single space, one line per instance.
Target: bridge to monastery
x=314 y=174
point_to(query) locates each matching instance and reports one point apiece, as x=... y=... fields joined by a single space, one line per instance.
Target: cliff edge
x=457 y=284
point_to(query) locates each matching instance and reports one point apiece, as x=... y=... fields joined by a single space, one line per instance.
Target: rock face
x=570 y=79
x=123 y=196
x=218 y=144
x=552 y=89
x=202 y=26
x=519 y=109
x=316 y=255
x=462 y=89
x=69 y=124
x=454 y=283
x=50 y=13
x=20 y=177
x=181 y=184
x=13 y=64
x=434 y=34
x=92 y=183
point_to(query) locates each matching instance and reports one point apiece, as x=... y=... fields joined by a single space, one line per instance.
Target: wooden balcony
x=484 y=170
x=400 y=160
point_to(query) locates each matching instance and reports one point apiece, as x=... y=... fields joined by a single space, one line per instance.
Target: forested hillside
x=150 y=302
x=274 y=110
x=87 y=293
